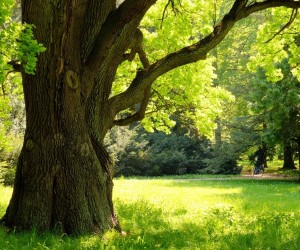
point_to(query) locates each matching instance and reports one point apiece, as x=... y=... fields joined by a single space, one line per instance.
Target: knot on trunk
x=29 y=144
x=84 y=149
x=72 y=79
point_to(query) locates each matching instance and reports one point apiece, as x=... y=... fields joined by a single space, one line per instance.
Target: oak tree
x=64 y=173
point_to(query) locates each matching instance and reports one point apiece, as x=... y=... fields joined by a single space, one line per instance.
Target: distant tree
x=271 y=43
x=278 y=104
x=12 y=127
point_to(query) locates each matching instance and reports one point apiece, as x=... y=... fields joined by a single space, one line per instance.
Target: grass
x=187 y=214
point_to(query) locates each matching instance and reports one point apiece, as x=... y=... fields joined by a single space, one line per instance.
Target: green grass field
x=187 y=214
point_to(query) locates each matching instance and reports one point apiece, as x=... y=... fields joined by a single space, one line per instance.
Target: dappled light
x=199 y=195
x=188 y=214
x=5 y=195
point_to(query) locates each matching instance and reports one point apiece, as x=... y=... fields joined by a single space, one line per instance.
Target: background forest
x=205 y=117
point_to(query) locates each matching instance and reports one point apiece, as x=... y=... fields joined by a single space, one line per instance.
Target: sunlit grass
x=172 y=194
x=5 y=194
x=187 y=214
x=219 y=214
x=257 y=195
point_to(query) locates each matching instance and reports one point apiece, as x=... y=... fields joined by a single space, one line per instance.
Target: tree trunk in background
x=265 y=149
x=218 y=133
x=298 y=144
x=288 y=160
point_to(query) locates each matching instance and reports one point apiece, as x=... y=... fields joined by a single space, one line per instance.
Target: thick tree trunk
x=288 y=160
x=63 y=176
x=63 y=179
x=60 y=183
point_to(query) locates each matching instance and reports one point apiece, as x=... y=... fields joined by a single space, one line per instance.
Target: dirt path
x=243 y=176
x=268 y=176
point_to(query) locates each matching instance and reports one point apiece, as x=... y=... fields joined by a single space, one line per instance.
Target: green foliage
x=188 y=89
x=5 y=12
x=28 y=49
x=266 y=98
x=139 y=153
x=278 y=103
x=224 y=160
x=9 y=157
x=154 y=154
x=17 y=43
x=274 y=44
x=186 y=214
x=12 y=127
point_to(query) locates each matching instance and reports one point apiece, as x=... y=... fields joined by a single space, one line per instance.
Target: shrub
x=223 y=160
x=154 y=154
x=9 y=154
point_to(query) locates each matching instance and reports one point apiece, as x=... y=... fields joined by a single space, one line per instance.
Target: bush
x=169 y=162
x=155 y=154
x=138 y=153
x=224 y=160
x=9 y=154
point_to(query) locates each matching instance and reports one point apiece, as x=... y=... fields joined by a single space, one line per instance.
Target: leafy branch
x=287 y=25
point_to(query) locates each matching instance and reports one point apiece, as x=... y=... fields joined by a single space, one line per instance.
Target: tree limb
x=136 y=47
x=129 y=14
x=109 y=47
x=292 y=18
x=95 y=15
x=259 y=6
x=193 y=53
x=138 y=116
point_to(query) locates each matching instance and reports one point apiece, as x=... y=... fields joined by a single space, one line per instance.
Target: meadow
x=224 y=213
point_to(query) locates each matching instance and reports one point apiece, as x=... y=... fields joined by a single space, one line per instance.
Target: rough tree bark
x=288 y=159
x=64 y=177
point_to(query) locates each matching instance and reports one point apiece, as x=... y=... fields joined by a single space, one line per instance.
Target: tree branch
x=292 y=18
x=123 y=21
x=110 y=45
x=259 y=6
x=138 y=116
x=95 y=15
x=193 y=53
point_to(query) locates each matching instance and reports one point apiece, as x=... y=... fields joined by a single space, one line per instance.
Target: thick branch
x=136 y=47
x=138 y=116
x=110 y=45
x=130 y=13
x=259 y=6
x=193 y=53
x=95 y=16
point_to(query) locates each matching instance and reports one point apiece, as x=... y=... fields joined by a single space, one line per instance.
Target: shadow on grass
x=149 y=228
